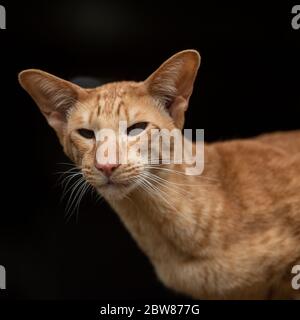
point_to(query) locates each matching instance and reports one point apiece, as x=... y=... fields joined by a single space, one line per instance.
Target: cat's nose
x=106 y=168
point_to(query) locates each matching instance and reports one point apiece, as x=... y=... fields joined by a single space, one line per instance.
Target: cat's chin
x=115 y=191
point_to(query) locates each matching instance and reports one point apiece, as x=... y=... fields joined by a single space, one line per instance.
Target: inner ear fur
x=54 y=96
x=172 y=83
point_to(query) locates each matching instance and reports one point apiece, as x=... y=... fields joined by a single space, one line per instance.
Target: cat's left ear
x=172 y=83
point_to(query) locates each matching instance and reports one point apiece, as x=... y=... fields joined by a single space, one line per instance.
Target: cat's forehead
x=111 y=102
x=115 y=89
x=111 y=98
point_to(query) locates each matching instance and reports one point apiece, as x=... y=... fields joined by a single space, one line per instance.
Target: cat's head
x=78 y=115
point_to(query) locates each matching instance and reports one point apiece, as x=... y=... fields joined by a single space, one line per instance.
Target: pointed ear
x=54 y=96
x=172 y=83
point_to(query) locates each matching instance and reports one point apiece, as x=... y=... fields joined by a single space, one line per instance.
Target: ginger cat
x=231 y=233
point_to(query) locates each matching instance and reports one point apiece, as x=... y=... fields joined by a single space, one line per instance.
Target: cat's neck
x=164 y=218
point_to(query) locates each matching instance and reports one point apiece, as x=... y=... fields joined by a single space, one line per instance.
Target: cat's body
x=237 y=234
x=232 y=232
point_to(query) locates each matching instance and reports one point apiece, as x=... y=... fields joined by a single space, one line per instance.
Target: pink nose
x=106 y=168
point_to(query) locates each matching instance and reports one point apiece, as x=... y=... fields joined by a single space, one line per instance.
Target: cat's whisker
x=157 y=179
x=73 y=188
x=67 y=164
x=158 y=192
x=68 y=174
x=76 y=191
x=80 y=197
x=64 y=172
x=158 y=167
x=175 y=183
x=165 y=184
x=165 y=181
x=67 y=181
x=167 y=189
x=65 y=176
x=68 y=178
x=170 y=182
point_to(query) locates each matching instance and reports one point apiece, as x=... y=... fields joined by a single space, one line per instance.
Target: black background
x=248 y=84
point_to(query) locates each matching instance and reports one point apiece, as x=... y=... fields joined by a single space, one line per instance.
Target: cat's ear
x=54 y=96
x=172 y=83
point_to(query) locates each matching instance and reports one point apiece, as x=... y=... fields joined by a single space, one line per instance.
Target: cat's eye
x=85 y=133
x=137 y=128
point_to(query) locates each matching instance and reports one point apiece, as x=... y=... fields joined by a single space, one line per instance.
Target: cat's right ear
x=54 y=96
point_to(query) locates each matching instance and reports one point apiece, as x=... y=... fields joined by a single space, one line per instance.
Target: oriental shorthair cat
x=231 y=232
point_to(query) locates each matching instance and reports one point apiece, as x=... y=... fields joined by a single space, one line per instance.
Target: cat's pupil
x=88 y=134
x=137 y=128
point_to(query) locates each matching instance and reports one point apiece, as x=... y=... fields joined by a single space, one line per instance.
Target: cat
x=232 y=232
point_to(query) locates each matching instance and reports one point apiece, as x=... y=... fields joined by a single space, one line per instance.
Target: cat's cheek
x=87 y=161
x=77 y=149
x=69 y=150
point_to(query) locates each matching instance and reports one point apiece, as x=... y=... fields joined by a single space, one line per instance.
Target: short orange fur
x=231 y=233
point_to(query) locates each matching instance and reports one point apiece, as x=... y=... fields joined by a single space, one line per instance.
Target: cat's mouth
x=112 y=184
x=115 y=190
